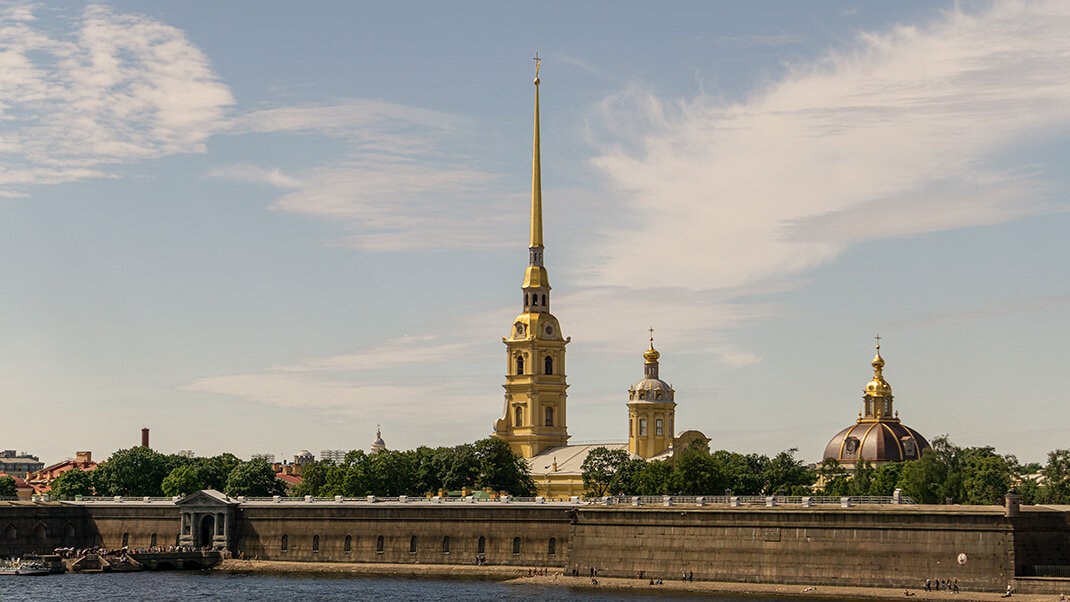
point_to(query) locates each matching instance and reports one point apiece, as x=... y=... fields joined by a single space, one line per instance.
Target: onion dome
x=651 y=388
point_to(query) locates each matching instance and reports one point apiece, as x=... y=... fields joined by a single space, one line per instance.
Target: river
x=190 y=585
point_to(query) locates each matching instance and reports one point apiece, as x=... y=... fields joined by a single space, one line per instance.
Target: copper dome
x=876 y=441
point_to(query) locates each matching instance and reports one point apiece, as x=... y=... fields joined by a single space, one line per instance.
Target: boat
x=24 y=569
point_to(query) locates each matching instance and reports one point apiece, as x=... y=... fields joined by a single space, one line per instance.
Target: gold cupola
x=877 y=396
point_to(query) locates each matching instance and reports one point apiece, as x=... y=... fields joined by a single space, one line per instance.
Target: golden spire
x=651 y=355
x=878 y=387
x=536 y=170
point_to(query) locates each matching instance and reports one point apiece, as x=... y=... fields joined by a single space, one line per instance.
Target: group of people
x=945 y=584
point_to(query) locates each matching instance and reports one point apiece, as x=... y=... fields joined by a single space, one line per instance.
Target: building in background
x=337 y=456
x=269 y=458
x=19 y=464
x=877 y=437
x=378 y=445
x=41 y=480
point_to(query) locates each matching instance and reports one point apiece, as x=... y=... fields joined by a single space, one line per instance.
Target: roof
x=876 y=441
x=288 y=478
x=569 y=458
x=207 y=496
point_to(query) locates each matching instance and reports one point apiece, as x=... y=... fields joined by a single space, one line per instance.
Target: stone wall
x=262 y=528
x=887 y=547
x=26 y=527
x=133 y=525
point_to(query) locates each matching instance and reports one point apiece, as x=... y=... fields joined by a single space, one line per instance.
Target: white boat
x=24 y=568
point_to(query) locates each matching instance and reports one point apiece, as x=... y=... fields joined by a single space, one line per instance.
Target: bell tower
x=534 y=415
x=651 y=409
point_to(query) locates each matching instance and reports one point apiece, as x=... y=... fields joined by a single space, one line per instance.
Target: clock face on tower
x=549 y=330
x=519 y=329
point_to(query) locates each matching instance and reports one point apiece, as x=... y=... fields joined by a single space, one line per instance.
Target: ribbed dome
x=877 y=442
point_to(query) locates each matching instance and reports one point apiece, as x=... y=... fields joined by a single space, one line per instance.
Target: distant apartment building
x=41 y=480
x=337 y=456
x=269 y=458
x=19 y=464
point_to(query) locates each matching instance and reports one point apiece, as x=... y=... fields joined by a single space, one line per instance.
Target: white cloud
x=252 y=174
x=117 y=89
x=887 y=138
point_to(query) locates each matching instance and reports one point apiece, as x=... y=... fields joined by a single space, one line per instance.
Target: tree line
x=139 y=472
x=971 y=475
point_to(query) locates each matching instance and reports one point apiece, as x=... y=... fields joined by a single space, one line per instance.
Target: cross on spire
x=651 y=336
x=538 y=62
x=878 y=337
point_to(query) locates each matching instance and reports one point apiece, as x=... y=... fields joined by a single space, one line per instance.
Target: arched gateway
x=208 y=519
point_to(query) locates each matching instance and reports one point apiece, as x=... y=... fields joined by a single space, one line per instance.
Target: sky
x=262 y=227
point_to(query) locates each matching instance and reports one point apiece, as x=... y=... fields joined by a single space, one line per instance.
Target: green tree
x=885 y=479
x=70 y=484
x=7 y=486
x=183 y=480
x=986 y=476
x=655 y=478
x=834 y=477
x=313 y=478
x=742 y=472
x=138 y=471
x=255 y=478
x=1056 y=489
x=502 y=470
x=696 y=472
x=600 y=468
x=627 y=479
x=215 y=470
x=785 y=473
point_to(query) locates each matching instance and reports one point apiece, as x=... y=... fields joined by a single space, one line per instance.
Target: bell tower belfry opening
x=534 y=415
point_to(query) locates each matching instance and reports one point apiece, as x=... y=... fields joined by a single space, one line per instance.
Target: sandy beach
x=520 y=576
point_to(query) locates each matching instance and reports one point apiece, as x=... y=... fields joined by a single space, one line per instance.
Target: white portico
x=208 y=519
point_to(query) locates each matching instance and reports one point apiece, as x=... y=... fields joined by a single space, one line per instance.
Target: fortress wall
x=139 y=522
x=887 y=547
x=26 y=527
x=261 y=529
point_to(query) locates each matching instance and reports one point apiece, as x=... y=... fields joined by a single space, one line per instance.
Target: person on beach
x=928 y=584
x=691 y=575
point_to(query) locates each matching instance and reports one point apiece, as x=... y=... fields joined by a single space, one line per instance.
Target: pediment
x=207 y=497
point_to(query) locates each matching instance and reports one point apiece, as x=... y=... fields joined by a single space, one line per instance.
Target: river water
x=189 y=585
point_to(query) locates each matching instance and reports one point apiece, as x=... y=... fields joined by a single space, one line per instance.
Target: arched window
x=152 y=541
x=481 y=545
x=349 y=543
x=412 y=545
x=549 y=362
x=534 y=299
x=126 y=539
x=657 y=395
x=379 y=545
x=519 y=364
x=315 y=543
x=10 y=532
x=446 y=544
x=657 y=428
x=39 y=532
x=527 y=300
x=285 y=543
x=630 y=426
x=642 y=426
x=552 y=548
x=544 y=300
x=516 y=546
x=519 y=416
x=642 y=395
x=549 y=416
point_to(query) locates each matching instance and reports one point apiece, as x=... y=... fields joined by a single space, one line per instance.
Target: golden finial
x=878 y=387
x=538 y=63
x=651 y=354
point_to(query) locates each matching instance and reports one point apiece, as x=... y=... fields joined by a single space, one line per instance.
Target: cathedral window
x=549 y=416
x=642 y=395
x=657 y=428
x=519 y=417
x=657 y=395
x=534 y=299
x=544 y=300
x=519 y=364
x=642 y=426
x=549 y=365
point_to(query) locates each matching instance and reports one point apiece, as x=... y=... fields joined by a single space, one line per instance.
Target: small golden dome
x=651 y=354
x=878 y=387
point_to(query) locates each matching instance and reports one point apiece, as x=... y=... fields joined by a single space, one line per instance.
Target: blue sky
x=271 y=226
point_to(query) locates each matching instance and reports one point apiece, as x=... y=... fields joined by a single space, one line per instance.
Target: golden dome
x=878 y=387
x=651 y=354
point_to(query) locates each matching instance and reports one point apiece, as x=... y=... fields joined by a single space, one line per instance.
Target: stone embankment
x=520 y=577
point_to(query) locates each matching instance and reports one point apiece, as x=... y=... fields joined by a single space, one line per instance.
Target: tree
x=834 y=477
x=215 y=470
x=785 y=473
x=600 y=468
x=313 y=478
x=71 y=483
x=502 y=470
x=695 y=472
x=138 y=471
x=742 y=472
x=183 y=480
x=986 y=476
x=885 y=479
x=7 y=487
x=655 y=478
x=255 y=478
